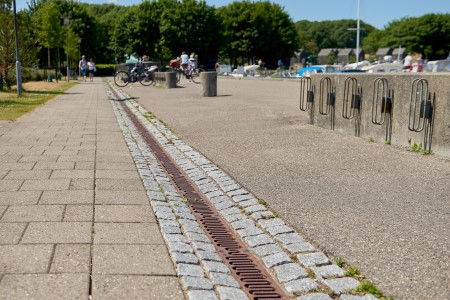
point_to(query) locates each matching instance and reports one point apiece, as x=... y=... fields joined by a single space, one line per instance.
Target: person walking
x=91 y=69
x=83 y=67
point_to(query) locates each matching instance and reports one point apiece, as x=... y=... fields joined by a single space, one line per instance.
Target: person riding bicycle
x=184 y=60
x=191 y=64
x=175 y=63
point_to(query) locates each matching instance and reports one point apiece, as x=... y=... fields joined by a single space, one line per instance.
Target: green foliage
x=255 y=30
x=105 y=69
x=329 y=34
x=352 y=271
x=340 y=262
x=368 y=287
x=428 y=34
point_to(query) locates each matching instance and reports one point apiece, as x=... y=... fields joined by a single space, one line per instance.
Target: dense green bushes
x=105 y=69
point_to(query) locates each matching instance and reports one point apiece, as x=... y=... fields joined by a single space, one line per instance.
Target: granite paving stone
x=190 y=270
x=223 y=279
x=357 y=297
x=258 y=240
x=339 y=285
x=262 y=215
x=185 y=258
x=314 y=296
x=328 y=271
x=200 y=294
x=289 y=238
x=266 y=249
x=276 y=259
x=230 y=293
x=299 y=247
x=217 y=267
x=208 y=255
x=313 y=259
x=203 y=246
x=300 y=285
x=289 y=272
x=195 y=283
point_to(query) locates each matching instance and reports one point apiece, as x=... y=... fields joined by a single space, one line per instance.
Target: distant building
x=382 y=52
x=398 y=53
x=324 y=53
x=345 y=54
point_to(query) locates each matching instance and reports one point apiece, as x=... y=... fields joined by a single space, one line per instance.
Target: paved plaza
x=86 y=211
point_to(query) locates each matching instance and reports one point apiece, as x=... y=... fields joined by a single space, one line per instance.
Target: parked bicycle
x=188 y=73
x=144 y=76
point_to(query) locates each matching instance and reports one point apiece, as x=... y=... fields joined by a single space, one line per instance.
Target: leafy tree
x=7 y=40
x=47 y=24
x=257 y=30
x=190 y=26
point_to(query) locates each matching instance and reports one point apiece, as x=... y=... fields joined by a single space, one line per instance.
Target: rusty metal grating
x=245 y=267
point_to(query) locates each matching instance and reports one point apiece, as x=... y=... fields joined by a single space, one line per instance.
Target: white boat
x=383 y=68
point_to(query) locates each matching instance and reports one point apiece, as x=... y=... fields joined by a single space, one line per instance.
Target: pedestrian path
x=87 y=212
x=74 y=216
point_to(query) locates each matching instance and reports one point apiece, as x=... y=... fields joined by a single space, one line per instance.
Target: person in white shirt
x=83 y=67
x=184 y=61
x=91 y=69
x=407 y=65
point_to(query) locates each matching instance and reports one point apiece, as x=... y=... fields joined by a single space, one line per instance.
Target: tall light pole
x=66 y=23
x=18 y=68
x=358 y=29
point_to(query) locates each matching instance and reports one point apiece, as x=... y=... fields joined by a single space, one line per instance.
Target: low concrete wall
x=400 y=86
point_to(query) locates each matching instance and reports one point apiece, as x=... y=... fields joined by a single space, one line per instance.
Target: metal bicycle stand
x=352 y=102
x=421 y=111
x=382 y=106
x=327 y=99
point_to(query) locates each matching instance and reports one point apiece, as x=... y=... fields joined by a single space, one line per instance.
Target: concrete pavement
x=380 y=207
x=74 y=216
x=75 y=219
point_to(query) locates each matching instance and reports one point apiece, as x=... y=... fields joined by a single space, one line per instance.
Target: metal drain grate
x=246 y=269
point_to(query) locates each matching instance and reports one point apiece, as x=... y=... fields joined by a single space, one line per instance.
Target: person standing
x=407 y=65
x=83 y=67
x=91 y=69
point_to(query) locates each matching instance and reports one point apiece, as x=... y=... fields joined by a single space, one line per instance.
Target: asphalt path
x=381 y=208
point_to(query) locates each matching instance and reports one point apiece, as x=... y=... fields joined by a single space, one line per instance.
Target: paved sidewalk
x=74 y=216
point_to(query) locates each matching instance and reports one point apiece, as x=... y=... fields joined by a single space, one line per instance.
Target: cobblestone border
x=296 y=264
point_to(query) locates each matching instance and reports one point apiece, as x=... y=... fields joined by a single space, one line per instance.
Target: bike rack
x=306 y=93
x=382 y=105
x=352 y=102
x=352 y=98
x=421 y=110
x=327 y=99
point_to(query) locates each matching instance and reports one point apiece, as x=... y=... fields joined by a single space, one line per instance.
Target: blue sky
x=375 y=12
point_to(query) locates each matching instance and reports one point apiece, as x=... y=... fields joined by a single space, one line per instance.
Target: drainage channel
x=246 y=269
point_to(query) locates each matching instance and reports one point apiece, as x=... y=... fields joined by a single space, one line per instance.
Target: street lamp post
x=66 y=23
x=79 y=47
x=18 y=67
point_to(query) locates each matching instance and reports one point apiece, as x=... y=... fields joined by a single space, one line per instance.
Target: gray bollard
x=208 y=81
x=171 y=80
